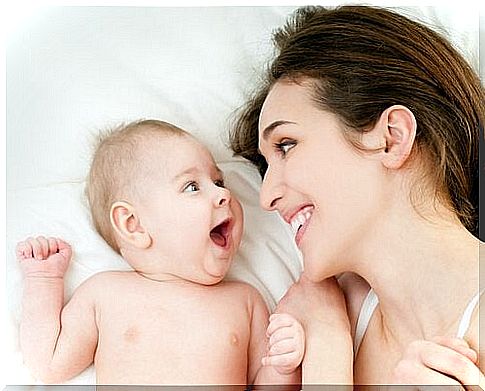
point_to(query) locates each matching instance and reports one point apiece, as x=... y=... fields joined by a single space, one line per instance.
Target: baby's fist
x=43 y=257
x=286 y=343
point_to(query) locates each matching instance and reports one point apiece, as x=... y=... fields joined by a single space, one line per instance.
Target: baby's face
x=195 y=222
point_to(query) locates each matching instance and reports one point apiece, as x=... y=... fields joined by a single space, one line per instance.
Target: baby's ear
x=127 y=225
x=398 y=130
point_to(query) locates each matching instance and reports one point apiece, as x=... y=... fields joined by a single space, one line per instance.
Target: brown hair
x=361 y=60
x=116 y=163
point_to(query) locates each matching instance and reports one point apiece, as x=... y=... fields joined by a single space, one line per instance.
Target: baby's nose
x=223 y=197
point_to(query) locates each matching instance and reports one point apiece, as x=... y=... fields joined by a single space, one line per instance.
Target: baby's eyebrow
x=194 y=171
x=188 y=171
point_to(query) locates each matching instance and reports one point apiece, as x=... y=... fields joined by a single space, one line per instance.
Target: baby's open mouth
x=220 y=233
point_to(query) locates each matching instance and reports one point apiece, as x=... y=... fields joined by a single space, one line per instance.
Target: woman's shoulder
x=355 y=289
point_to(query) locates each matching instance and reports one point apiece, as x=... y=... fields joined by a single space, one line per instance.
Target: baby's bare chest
x=172 y=338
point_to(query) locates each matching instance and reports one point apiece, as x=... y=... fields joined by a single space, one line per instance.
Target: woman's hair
x=118 y=165
x=361 y=60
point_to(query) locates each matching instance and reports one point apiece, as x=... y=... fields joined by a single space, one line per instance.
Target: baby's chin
x=206 y=279
x=213 y=280
x=216 y=273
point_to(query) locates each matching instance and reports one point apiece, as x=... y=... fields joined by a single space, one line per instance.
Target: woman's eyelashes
x=283 y=147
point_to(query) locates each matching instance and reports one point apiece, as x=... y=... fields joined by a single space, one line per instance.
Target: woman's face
x=321 y=186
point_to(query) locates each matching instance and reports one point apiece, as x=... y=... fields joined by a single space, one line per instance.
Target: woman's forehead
x=284 y=101
x=287 y=103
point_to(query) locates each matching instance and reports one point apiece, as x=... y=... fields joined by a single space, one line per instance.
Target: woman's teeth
x=301 y=218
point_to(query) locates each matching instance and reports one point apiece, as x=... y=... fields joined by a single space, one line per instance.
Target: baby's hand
x=286 y=343
x=43 y=257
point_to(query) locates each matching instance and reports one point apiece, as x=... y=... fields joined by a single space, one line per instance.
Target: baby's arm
x=279 y=347
x=56 y=343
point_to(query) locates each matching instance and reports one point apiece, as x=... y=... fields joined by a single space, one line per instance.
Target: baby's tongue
x=218 y=239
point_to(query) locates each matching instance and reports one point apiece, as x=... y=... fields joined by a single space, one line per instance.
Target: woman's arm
x=320 y=308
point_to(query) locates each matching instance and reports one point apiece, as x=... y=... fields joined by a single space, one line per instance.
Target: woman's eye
x=191 y=187
x=284 y=146
x=219 y=183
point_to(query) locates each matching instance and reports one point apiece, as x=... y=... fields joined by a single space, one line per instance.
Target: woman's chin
x=315 y=269
x=313 y=277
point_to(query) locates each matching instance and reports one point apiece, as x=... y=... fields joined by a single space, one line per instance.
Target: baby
x=158 y=198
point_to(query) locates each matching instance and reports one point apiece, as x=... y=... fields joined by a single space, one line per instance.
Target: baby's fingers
x=284 y=363
x=36 y=248
x=53 y=247
x=282 y=347
x=64 y=249
x=44 y=247
x=23 y=250
x=281 y=334
x=277 y=321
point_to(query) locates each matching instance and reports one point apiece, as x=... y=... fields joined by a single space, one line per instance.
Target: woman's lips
x=299 y=222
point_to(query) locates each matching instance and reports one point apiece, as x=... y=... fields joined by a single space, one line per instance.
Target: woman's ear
x=127 y=225
x=398 y=130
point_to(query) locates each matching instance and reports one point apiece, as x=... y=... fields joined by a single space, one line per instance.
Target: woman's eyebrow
x=269 y=129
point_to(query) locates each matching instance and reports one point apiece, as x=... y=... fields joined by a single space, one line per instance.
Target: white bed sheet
x=72 y=71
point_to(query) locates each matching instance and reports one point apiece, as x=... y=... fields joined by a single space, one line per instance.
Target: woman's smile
x=300 y=221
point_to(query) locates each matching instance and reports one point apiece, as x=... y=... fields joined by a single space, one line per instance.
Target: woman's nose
x=271 y=190
x=223 y=196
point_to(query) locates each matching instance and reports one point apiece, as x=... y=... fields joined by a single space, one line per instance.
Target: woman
x=366 y=134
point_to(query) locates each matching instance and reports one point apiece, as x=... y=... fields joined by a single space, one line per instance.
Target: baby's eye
x=219 y=183
x=191 y=187
x=284 y=146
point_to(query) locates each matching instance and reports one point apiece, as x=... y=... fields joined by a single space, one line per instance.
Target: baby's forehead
x=176 y=153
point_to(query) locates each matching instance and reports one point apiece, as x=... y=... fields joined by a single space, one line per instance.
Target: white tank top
x=370 y=303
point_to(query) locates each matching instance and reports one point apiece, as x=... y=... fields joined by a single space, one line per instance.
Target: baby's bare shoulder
x=238 y=287
x=106 y=281
x=109 y=276
x=242 y=291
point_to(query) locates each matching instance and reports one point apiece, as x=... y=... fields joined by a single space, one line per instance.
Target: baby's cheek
x=238 y=216
x=237 y=209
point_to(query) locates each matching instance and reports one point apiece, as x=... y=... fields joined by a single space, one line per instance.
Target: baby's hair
x=115 y=164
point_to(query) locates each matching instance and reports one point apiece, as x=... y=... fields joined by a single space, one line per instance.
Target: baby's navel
x=131 y=334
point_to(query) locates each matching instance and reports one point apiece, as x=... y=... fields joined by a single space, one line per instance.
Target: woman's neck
x=424 y=273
